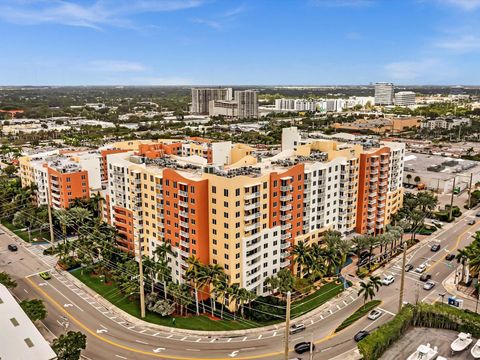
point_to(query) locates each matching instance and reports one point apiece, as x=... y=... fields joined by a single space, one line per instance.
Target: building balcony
x=372 y=194
x=185 y=244
x=183 y=204
x=251 y=196
x=286 y=227
x=184 y=234
x=252 y=217
x=252 y=238
x=159 y=187
x=286 y=207
x=183 y=214
x=285 y=262
x=251 y=206
x=184 y=254
x=286 y=188
x=251 y=227
x=286 y=198
x=285 y=245
x=285 y=217
x=184 y=224
x=183 y=193
x=285 y=236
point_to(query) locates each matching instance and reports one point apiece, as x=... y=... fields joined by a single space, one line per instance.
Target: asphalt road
x=109 y=337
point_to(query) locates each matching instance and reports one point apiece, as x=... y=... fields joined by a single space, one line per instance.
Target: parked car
x=477 y=214
x=425 y=277
x=450 y=257
x=408 y=267
x=374 y=314
x=387 y=280
x=471 y=222
x=437 y=223
x=421 y=268
x=12 y=247
x=296 y=328
x=361 y=335
x=435 y=247
x=428 y=285
x=303 y=347
x=45 y=275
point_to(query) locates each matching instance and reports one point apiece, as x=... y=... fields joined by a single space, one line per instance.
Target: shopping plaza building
x=230 y=204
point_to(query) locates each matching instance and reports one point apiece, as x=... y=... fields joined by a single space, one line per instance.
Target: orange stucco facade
x=65 y=187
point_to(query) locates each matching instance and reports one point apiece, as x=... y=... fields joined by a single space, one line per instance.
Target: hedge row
x=439 y=316
x=374 y=345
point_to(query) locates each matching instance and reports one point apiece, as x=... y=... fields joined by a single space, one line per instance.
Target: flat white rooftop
x=19 y=338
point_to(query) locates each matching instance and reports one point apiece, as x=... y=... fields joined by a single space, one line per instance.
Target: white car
x=374 y=314
x=421 y=268
x=428 y=285
x=387 y=280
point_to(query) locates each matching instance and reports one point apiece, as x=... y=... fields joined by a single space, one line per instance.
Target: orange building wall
x=65 y=187
x=198 y=219
x=297 y=186
x=104 y=154
x=123 y=222
x=369 y=183
x=158 y=150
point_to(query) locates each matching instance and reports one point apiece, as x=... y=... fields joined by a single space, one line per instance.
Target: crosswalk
x=37 y=250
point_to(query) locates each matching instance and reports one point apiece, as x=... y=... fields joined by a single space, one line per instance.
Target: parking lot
x=407 y=345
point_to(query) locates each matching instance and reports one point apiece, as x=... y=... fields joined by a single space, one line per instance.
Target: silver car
x=428 y=285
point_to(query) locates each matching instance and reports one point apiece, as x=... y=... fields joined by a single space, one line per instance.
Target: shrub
x=373 y=346
x=265 y=308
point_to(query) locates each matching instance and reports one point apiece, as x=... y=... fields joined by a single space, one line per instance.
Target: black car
x=304 y=347
x=450 y=257
x=12 y=247
x=435 y=247
x=361 y=335
x=477 y=214
x=408 y=267
x=425 y=277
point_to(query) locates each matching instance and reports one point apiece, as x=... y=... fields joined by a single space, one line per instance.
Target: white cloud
x=220 y=21
x=115 y=66
x=463 y=4
x=461 y=44
x=94 y=15
x=418 y=70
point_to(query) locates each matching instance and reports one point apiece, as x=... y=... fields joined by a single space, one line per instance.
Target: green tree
x=194 y=274
x=302 y=257
x=69 y=346
x=35 y=309
x=7 y=281
x=370 y=288
x=409 y=177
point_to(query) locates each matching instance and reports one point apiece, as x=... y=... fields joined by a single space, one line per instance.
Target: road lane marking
x=193 y=349
x=229 y=339
x=386 y=311
x=141 y=342
x=148 y=353
x=121 y=357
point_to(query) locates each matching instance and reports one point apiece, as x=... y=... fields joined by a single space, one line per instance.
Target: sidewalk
x=321 y=313
x=451 y=288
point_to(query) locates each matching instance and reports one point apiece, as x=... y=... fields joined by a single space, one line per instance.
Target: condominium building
x=384 y=93
x=445 y=123
x=201 y=98
x=247 y=101
x=226 y=203
x=244 y=105
x=245 y=213
x=405 y=98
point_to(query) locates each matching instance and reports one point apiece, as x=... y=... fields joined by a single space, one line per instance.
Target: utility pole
x=402 y=278
x=50 y=220
x=287 y=323
x=140 y=277
x=470 y=190
x=451 y=201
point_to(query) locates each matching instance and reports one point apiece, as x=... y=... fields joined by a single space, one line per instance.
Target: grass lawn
x=41 y=237
x=314 y=300
x=361 y=312
x=132 y=307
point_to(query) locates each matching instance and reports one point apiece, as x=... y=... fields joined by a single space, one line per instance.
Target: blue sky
x=167 y=42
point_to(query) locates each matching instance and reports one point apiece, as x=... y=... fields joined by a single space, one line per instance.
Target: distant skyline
x=256 y=42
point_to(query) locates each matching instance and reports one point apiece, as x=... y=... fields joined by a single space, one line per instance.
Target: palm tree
x=163 y=271
x=369 y=289
x=234 y=294
x=193 y=275
x=409 y=177
x=63 y=218
x=302 y=257
x=272 y=283
x=95 y=203
x=220 y=286
x=82 y=217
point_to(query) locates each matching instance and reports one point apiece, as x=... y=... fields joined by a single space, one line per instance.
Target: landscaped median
x=438 y=316
x=361 y=312
x=130 y=305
